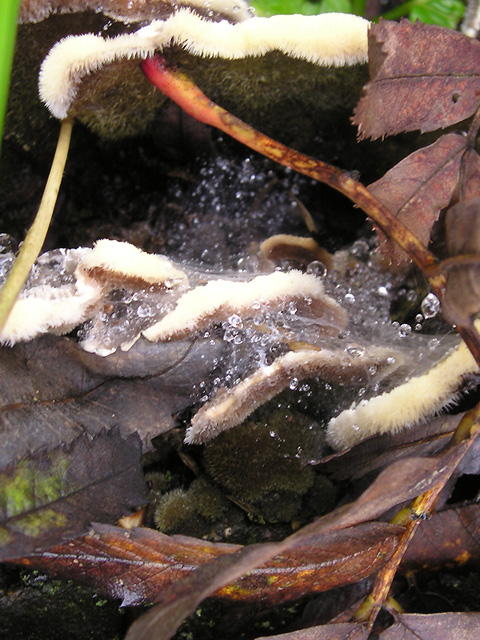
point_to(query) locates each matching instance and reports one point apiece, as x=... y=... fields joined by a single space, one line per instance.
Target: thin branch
x=412 y=516
x=32 y=245
x=186 y=94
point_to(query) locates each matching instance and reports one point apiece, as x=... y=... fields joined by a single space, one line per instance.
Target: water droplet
x=382 y=291
x=355 y=352
x=143 y=311
x=317 y=268
x=229 y=334
x=293 y=383
x=433 y=344
x=349 y=298
x=430 y=306
x=235 y=321
x=360 y=250
x=404 y=330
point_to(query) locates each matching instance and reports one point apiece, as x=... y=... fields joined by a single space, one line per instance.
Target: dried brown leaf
x=52 y=496
x=376 y=453
x=423 y=77
x=462 y=229
x=416 y=190
x=51 y=391
x=400 y=482
x=439 y=626
x=341 y=631
x=450 y=537
x=137 y=566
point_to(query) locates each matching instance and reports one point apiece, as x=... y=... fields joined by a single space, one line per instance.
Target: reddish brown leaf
x=440 y=626
x=450 y=537
x=462 y=229
x=422 y=77
x=138 y=565
x=399 y=482
x=416 y=190
x=470 y=175
x=181 y=598
x=376 y=453
x=342 y=631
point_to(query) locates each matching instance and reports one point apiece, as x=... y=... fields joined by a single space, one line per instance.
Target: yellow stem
x=33 y=243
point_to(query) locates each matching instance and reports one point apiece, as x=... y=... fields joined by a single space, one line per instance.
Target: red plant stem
x=187 y=95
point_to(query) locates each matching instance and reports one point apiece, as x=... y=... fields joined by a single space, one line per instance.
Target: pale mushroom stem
x=32 y=245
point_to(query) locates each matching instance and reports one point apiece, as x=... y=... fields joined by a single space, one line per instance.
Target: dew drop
x=293 y=383
x=430 y=306
x=235 y=321
x=317 y=268
x=143 y=311
x=404 y=330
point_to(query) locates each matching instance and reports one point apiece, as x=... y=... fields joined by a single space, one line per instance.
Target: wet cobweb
x=212 y=226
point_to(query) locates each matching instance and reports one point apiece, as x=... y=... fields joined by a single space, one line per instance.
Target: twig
x=32 y=245
x=411 y=518
x=186 y=94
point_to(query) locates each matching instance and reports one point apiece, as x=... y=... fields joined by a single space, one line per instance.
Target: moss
x=190 y=512
x=207 y=500
x=322 y=497
x=264 y=458
x=173 y=510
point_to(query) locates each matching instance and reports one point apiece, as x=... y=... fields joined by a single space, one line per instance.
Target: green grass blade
x=8 y=30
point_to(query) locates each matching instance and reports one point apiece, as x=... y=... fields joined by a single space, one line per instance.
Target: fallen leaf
x=416 y=190
x=449 y=537
x=400 y=482
x=376 y=453
x=462 y=231
x=423 y=77
x=52 y=391
x=439 y=626
x=341 y=631
x=51 y=496
x=137 y=566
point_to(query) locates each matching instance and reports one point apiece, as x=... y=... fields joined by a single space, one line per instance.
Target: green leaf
x=305 y=7
x=445 y=13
